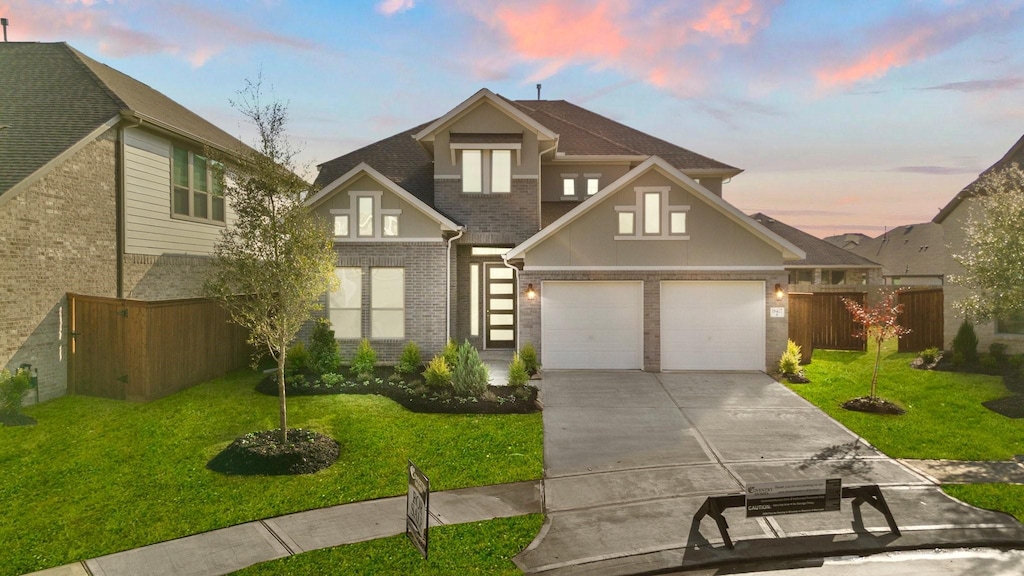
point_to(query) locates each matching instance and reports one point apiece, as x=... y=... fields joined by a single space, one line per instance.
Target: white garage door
x=595 y=325
x=712 y=325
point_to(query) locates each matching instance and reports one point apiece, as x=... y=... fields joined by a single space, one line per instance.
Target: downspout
x=448 y=287
x=119 y=216
x=515 y=274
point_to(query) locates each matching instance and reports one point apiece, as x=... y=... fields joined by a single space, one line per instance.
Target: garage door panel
x=595 y=325
x=711 y=325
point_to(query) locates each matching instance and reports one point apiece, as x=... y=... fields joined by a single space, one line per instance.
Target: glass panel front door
x=500 y=305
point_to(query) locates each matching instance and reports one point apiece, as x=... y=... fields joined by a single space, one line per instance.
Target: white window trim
x=665 y=218
x=485 y=165
x=352 y=213
x=487 y=146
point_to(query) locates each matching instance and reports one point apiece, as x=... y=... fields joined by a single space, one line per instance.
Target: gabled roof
x=788 y=249
x=585 y=133
x=500 y=103
x=53 y=96
x=911 y=250
x=819 y=254
x=1014 y=154
x=363 y=168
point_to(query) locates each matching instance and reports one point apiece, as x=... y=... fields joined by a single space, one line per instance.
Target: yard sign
x=417 y=509
x=793 y=497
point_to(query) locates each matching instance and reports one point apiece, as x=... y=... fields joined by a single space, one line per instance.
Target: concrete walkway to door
x=631 y=456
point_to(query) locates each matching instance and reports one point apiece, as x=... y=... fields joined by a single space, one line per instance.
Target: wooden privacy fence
x=140 y=351
x=922 y=313
x=820 y=320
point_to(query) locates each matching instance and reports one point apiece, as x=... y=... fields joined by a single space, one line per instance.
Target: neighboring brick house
x=953 y=217
x=505 y=222
x=911 y=255
x=105 y=190
x=826 y=268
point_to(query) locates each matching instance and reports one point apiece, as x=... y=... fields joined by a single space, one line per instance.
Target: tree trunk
x=280 y=394
x=874 y=374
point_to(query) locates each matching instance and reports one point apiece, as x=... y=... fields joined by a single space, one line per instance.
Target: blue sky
x=845 y=116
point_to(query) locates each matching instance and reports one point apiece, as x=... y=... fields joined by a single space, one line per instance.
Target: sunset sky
x=845 y=116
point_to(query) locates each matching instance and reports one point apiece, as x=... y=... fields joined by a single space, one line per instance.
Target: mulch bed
x=16 y=419
x=261 y=453
x=873 y=406
x=499 y=400
x=1013 y=378
x=1010 y=406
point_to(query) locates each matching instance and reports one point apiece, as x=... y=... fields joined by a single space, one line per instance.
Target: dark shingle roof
x=1014 y=155
x=52 y=96
x=915 y=249
x=819 y=252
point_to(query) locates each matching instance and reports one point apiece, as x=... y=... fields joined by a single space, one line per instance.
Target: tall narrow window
x=387 y=302
x=365 y=208
x=501 y=170
x=474 y=299
x=345 y=304
x=652 y=213
x=200 y=188
x=472 y=171
x=568 y=186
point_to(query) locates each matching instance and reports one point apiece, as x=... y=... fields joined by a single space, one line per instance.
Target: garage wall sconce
x=531 y=292
x=779 y=293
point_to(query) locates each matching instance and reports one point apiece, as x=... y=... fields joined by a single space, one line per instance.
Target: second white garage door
x=712 y=325
x=595 y=325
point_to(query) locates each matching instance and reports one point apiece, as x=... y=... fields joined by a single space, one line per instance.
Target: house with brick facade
x=505 y=222
x=105 y=190
x=953 y=219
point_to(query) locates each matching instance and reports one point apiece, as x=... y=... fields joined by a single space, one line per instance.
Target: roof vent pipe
x=5 y=38
x=3 y=22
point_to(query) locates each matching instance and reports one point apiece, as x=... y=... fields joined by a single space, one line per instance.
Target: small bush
x=1017 y=360
x=438 y=375
x=12 y=390
x=332 y=379
x=965 y=342
x=364 y=361
x=469 y=375
x=789 y=363
x=297 y=359
x=958 y=359
x=451 y=353
x=988 y=362
x=410 y=361
x=998 y=351
x=528 y=354
x=324 y=355
x=930 y=355
x=517 y=374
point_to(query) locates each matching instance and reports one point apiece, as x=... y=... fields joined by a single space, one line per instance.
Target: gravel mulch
x=261 y=453
x=1009 y=406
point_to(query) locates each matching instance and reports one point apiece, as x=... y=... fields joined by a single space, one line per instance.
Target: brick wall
x=777 y=329
x=425 y=312
x=167 y=277
x=505 y=219
x=59 y=236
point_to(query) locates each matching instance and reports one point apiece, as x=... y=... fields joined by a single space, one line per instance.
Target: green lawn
x=477 y=548
x=1007 y=498
x=944 y=419
x=98 y=476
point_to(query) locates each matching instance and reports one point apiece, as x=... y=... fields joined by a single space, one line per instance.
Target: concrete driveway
x=631 y=456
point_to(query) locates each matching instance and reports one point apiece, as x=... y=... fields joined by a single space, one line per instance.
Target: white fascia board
x=498 y=102
x=385 y=182
x=788 y=249
x=598 y=158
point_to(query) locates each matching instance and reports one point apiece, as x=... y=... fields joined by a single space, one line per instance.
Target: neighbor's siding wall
x=59 y=236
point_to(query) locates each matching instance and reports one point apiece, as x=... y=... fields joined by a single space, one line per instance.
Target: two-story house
x=505 y=222
x=105 y=190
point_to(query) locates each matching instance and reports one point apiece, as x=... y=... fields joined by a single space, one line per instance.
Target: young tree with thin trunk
x=879 y=323
x=993 y=253
x=276 y=259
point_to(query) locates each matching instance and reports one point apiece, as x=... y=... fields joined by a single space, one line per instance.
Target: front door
x=499 y=306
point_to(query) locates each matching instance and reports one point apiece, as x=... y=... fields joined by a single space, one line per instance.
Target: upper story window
x=365 y=219
x=801 y=276
x=593 y=183
x=197 y=190
x=569 y=185
x=487 y=171
x=652 y=217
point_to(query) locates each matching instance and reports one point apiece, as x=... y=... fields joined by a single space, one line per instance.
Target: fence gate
x=800 y=324
x=832 y=325
x=98 y=346
x=922 y=313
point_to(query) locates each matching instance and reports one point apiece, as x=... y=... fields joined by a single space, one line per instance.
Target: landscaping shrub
x=410 y=360
x=297 y=359
x=517 y=374
x=789 y=363
x=998 y=351
x=929 y=355
x=1016 y=361
x=364 y=362
x=332 y=379
x=324 y=355
x=988 y=362
x=469 y=375
x=528 y=354
x=438 y=374
x=965 y=343
x=12 y=389
x=451 y=353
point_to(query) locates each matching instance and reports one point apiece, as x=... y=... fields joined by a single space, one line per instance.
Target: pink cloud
x=392 y=7
x=910 y=39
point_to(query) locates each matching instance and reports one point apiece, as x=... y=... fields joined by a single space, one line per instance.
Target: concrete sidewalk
x=229 y=549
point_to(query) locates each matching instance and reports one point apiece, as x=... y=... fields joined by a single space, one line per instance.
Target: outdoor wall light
x=779 y=293
x=531 y=292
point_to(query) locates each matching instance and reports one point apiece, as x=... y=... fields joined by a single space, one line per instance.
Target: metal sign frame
x=417 y=509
